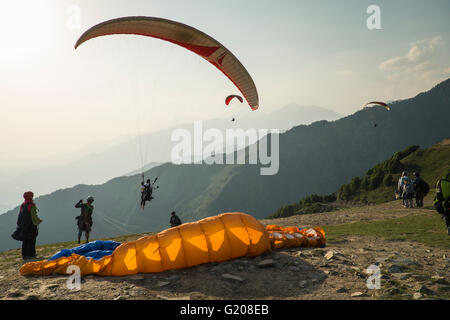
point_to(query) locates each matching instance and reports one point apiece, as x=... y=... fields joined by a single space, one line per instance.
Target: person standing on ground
x=174 y=220
x=85 y=218
x=27 y=226
x=405 y=186
x=421 y=189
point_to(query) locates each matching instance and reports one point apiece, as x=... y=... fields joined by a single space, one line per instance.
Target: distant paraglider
x=187 y=37
x=377 y=103
x=231 y=97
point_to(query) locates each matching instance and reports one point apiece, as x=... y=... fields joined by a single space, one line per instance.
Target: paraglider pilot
x=147 y=191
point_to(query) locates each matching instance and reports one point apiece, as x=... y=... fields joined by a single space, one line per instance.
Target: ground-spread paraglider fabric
x=213 y=239
x=95 y=249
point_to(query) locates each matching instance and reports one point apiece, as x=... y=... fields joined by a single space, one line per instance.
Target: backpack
x=408 y=186
x=442 y=198
x=148 y=191
x=425 y=187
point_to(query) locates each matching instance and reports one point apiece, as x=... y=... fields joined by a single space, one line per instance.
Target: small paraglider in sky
x=379 y=103
x=231 y=97
x=376 y=103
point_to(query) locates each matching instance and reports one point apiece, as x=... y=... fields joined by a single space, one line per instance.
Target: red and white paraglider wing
x=378 y=103
x=186 y=37
x=231 y=97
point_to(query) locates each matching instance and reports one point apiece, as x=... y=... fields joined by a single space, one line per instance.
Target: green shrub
x=388 y=180
x=329 y=198
x=408 y=151
x=315 y=198
x=355 y=184
x=376 y=179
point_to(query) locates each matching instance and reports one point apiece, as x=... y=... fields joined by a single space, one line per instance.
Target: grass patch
x=428 y=229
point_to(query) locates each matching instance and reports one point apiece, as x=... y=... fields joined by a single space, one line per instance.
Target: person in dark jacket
x=27 y=226
x=85 y=218
x=419 y=189
x=147 y=191
x=174 y=220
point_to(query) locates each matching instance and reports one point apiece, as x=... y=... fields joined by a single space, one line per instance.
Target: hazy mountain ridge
x=123 y=158
x=315 y=158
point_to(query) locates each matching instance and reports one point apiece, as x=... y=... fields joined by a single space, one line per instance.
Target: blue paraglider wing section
x=95 y=250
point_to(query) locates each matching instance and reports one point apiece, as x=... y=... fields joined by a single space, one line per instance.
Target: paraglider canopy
x=231 y=97
x=187 y=37
x=377 y=103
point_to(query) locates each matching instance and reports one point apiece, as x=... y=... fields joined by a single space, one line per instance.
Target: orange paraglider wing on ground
x=213 y=239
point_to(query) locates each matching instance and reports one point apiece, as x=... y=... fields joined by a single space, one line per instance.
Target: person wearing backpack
x=406 y=187
x=442 y=199
x=27 y=226
x=421 y=189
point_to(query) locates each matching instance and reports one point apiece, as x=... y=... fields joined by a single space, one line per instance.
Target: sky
x=55 y=100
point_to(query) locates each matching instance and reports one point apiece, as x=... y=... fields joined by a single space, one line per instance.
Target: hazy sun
x=24 y=27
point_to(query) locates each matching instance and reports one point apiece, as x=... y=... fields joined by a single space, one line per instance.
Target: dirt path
x=408 y=270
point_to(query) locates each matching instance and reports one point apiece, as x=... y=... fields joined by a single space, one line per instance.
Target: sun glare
x=24 y=28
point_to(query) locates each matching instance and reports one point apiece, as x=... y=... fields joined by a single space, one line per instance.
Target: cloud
x=417 y=67
x=392 y=63
x=419 y=52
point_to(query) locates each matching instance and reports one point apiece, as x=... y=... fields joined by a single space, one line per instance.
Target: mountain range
x=315 y=158
x=98 y=163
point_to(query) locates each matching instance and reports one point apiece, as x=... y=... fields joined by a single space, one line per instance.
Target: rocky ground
x=403 y=270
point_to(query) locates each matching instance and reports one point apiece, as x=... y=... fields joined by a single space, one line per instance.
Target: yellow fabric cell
x=218 y=242
x=171 y=249
x=259 y=239
x=124 y=259
x=237 y=235
x=194 y=244
x=148 y=256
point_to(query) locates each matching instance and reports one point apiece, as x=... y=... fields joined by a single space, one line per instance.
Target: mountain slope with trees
x=379 y=183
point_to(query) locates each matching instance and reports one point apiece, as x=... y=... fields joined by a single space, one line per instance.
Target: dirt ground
x=403 y=270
